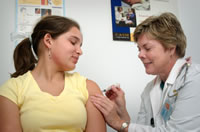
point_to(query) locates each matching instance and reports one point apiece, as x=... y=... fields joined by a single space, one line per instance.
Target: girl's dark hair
x=24 y=59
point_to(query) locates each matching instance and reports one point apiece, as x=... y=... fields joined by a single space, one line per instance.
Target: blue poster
x=124 y=17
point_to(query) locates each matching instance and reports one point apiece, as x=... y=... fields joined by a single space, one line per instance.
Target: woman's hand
x=108 y=109
x=117 y=95
x=113 y=106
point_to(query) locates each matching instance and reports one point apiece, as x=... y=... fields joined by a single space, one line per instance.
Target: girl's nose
x=79 y=50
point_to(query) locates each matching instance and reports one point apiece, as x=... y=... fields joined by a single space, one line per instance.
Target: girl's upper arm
x=95 y=120
x=9 y=116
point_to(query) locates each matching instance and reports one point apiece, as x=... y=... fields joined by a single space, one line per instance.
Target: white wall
x=7 y=11
x=190 y=19
x=104 y=60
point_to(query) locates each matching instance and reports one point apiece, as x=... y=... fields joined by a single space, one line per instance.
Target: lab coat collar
x=175 y=71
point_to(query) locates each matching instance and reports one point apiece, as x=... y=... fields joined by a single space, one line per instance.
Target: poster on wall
x=126 y=14
x=28 y=12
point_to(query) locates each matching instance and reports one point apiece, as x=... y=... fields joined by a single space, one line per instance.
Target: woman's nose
x=141 y=54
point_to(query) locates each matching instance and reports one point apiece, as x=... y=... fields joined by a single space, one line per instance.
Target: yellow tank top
x=42 y=112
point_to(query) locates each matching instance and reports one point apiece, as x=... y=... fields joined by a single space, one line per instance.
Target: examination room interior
x=104 y=60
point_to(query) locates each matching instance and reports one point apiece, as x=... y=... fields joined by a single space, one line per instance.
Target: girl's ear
x=47 y=40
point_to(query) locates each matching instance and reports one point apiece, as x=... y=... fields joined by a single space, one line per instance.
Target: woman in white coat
x=171 y=101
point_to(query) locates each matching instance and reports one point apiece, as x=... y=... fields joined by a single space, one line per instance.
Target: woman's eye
x=147 y=49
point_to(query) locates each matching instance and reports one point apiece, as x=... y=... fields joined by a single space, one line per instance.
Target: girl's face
x=66 y=49
x=153 y=55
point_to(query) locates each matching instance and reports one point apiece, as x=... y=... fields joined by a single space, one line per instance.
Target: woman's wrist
x=125 y=116
x=124 y=126
x=116 y=124
x=126 y=129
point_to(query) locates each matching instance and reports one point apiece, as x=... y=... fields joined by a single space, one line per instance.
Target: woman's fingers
x=103 y=104
x=108 y=109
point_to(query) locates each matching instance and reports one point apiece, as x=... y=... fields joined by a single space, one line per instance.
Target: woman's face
x=153 y=55
x=66 y=49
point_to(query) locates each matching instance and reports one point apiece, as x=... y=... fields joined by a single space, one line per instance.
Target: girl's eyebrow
x=73 y=36
x=77 y=38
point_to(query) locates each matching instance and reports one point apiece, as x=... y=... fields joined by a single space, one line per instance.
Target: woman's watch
x=124 y=125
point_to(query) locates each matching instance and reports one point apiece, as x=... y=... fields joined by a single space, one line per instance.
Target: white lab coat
x=184 y=102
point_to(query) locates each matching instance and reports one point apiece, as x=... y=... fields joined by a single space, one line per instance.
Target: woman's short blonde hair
x=166 y=29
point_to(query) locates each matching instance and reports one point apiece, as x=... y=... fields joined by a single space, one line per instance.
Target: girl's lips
x=75 y=60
